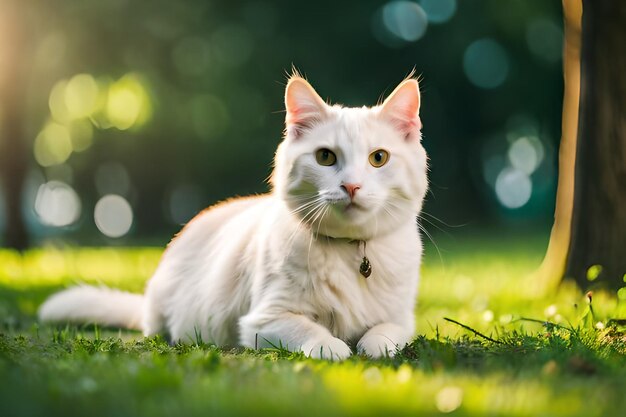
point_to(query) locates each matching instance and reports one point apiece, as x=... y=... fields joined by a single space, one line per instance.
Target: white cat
x=289 y=268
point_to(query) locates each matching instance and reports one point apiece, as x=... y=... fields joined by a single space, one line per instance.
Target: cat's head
x=351 y=172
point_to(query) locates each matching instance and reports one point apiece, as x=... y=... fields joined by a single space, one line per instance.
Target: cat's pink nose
x=351 y=189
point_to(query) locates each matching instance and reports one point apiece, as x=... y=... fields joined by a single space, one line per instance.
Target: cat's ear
x=304 y=106
x=402 y=107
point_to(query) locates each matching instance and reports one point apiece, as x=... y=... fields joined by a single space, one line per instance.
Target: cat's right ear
x=304 y=106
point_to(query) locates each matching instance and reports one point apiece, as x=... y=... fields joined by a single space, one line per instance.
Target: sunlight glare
x=2 y=210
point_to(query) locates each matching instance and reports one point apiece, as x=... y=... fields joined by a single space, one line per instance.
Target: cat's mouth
x=347 y=206
x=352 y=206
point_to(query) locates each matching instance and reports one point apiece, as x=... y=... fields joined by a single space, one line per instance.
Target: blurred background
x=121 y=119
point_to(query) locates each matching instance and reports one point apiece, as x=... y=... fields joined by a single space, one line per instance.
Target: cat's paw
x=329 y=348
x=377 y=345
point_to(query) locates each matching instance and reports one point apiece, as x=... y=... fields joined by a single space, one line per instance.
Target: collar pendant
x=366 y=267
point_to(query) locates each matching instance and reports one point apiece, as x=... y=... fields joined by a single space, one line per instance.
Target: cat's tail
x=94 y=305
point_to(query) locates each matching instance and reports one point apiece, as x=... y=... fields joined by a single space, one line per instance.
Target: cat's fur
x=282 y=269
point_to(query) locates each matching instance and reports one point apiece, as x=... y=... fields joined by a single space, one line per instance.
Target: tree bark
x=597 y=251
x=13 y=149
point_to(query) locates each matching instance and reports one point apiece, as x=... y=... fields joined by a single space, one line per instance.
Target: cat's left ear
x=402 y=107
x=304 y=106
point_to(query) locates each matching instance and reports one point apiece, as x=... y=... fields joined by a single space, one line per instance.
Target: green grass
x=563 y=365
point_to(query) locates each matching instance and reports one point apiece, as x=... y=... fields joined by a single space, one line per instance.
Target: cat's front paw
x=329 y=348
x=377 y=345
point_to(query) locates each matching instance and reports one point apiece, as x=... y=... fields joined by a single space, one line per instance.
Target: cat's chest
x=340 y=297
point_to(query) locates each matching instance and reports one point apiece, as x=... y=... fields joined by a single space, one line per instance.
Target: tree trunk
x=13 y=149
x=550 y=273
x=597 y=250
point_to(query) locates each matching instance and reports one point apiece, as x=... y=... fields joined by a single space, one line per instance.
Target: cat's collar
x=365 y=268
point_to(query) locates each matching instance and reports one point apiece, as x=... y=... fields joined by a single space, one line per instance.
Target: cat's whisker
x=319 y=221
x=305 y=206
x=391 y=203
x=442 y=222
x=434 y=225
x=376 y=225
x=312 y=210
x=390 y=213
x=320 y=209
x=303 y=220
x=386 y=206
x=308 y=200
x=305 y=197
x=430 y=237
x=318 y=217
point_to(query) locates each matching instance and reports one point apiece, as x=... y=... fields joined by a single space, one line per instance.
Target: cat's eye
x=379 y=158
x=325 y=157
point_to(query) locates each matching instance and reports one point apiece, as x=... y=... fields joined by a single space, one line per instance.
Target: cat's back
x=206 y=225
x=219 y=214
x=207 y=239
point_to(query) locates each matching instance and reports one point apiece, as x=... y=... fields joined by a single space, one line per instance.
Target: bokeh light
x=113 y=216
x=492 y=166
x=449 y=399
x=400 y=22
x=209 y=116
x=57 y=204
x=518 y=165
x=81 y=96
x=438 y=11
x=81 y=134
x=128 y=104
x=53 y=145
x=192 y=55
x=486 y=63
x=57 y=104
x=513 y=188
x=233 y=45
x=545 y=39
x=526 y=153
x=488 y=316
